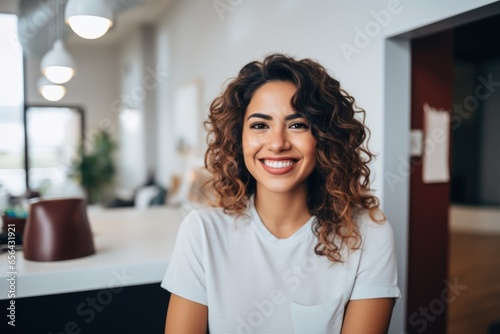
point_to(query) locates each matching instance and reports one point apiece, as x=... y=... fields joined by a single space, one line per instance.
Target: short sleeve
x=377 y=270
x=185 y=275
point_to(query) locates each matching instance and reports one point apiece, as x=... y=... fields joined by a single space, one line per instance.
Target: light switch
x=416 y=143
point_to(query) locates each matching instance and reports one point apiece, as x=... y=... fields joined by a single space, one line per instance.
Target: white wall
x=130 y=110
x=150 y=83
x=194 y=43
x=137 y=108
x=475 y=220
x=94 y=87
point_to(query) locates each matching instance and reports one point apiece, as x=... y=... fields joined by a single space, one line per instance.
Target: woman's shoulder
x=377 y=237
x=372 y=226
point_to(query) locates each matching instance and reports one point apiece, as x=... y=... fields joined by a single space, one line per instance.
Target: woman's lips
x=278 y=167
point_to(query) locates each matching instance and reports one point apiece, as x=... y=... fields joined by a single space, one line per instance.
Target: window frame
x=81 y=112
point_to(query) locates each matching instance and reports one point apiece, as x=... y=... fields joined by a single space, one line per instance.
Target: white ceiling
x=129 y=14
x=143 y=12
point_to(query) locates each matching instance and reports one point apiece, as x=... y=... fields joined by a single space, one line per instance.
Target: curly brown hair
x=338 y=186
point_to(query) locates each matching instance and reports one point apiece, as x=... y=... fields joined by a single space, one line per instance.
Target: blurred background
x=122 y=124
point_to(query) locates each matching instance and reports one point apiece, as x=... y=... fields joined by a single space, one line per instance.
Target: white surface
x=187 y=115
x=132 y=247
x=472 y=219
x=436 y=168
x=396 y=167
x=133 y=169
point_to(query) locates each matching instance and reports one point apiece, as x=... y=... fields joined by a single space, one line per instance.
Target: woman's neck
x=282 y=214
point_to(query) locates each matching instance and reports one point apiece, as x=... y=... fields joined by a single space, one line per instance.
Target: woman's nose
x=278 y=141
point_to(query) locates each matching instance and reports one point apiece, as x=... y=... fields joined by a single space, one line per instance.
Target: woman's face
x=278 y=146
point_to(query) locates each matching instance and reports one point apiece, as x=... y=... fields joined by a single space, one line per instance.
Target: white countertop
x=132 y=247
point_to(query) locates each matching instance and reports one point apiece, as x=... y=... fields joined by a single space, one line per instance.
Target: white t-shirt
x=253 y=282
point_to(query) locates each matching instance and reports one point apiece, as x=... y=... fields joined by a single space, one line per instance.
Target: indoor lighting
x=89 y=19
x=49 y=90
x=57 y=65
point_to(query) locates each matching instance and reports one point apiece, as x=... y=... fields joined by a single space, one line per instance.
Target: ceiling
x=40 y=21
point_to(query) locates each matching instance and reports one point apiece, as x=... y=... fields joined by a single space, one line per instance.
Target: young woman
x=298 y=243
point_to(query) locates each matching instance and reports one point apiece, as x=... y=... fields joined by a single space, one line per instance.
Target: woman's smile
x=278 y=166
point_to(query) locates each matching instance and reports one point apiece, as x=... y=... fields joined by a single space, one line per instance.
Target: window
x=12 y=170
x=53 y=134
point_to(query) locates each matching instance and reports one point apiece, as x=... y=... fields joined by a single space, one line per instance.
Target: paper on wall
x=436 y=151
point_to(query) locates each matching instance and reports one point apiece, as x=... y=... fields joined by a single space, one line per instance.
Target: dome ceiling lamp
x=57 y=64
x=89 y=19
x=49 y=90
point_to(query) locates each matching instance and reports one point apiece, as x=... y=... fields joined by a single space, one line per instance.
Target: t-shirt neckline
x=266 y=234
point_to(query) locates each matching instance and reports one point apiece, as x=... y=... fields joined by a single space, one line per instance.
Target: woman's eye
x=258 y=126
x=299 y=126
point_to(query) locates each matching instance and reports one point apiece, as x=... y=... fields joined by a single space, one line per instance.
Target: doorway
x=474 y=221
x=426 y=297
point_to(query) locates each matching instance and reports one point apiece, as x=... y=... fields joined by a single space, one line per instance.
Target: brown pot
x=57 y=229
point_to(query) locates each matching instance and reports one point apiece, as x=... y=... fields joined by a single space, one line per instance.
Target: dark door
x=432 y=77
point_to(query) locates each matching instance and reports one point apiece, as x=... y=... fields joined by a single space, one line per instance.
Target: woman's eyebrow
x=257 y=115
x=267 y=117
x=293 y=116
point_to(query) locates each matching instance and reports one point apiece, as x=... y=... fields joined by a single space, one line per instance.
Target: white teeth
x=278 y=164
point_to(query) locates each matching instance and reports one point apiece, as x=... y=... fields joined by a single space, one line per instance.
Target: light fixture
x=130 y=119
x=57 y=65
x=89 y=19
x=49 y=90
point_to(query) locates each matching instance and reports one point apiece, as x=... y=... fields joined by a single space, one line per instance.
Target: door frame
x=397 y=110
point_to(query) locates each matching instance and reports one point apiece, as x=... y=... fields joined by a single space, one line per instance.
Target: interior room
x=116 y=138
x=474 y=187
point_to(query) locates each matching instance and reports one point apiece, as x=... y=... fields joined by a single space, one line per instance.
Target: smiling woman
x=297 y=243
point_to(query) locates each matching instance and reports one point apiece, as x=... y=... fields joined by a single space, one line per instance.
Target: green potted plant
x=14 y=216
x=95 y=169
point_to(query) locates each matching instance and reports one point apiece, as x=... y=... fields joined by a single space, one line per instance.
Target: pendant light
x=89 y=19
x=49 y=90
x=57 y=65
